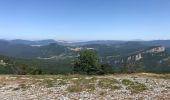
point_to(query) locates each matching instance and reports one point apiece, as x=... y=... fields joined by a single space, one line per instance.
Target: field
x=142 y=86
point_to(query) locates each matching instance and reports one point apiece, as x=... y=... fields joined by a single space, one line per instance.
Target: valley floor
x=142 y=86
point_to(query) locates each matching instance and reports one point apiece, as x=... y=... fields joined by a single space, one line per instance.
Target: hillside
x=27 y=51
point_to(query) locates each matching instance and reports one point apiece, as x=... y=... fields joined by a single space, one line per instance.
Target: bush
x=105 y=69
x=87 y=63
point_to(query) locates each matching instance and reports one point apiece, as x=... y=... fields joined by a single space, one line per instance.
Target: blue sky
x=85 y=19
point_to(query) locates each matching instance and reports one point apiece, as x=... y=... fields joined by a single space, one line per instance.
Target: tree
x=105 y=69
x=87 y=63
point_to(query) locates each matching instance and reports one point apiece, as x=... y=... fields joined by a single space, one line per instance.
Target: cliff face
x=135 y=57
x=151 y=59
x=155 y=50
x=139 y=55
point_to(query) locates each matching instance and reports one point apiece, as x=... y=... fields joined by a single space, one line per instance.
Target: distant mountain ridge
x=48 y=48
x=28 y=42
x=28 y=51
x=165 y=43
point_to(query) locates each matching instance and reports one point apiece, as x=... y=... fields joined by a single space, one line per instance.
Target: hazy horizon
x=79 y=40
x=85 y=19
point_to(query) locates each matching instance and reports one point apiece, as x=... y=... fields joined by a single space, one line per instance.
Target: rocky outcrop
x=135 y=57
x=2 y=62
x=157 y=49
x=139 y=55
x=75 y=49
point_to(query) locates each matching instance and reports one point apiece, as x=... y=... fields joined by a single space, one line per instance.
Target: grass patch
x=106 y=83
x=127 y=82
x=80 y=88
x=62 y=82
x=48 y=83
x=138 y=87
x=21 y=86
x=82 y=84
x=134 y=87
x=74 y=88
x=159 y=76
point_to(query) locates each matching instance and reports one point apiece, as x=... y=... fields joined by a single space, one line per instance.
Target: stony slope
x=110 y=87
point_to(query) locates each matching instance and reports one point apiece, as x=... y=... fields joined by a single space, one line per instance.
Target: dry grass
x=82 y=84
x=107 y=83
x=134 y=87
x=79 y=83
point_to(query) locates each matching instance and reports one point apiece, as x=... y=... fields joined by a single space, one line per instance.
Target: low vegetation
x=97 y=86
x=134 y=87
x=82 y=84
x=106 y=83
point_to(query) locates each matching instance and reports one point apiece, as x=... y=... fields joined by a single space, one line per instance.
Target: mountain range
x=56 y=56
x=80 y=43
x=47 y=48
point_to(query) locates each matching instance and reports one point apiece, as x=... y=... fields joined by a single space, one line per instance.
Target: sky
x=85 y=19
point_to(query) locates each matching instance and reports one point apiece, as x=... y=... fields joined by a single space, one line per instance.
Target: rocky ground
x=143 y=86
